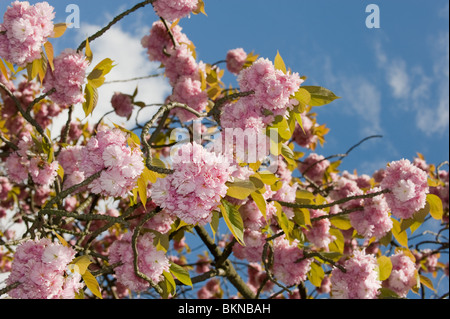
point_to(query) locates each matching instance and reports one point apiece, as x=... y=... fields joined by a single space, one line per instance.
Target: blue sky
x=393 y=80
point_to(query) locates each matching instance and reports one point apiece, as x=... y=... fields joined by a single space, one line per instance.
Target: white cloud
x=131 y=61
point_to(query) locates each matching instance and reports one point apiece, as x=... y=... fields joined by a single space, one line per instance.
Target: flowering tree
x=107 y=212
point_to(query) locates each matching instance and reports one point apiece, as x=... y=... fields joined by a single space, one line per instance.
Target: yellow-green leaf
x=170 y=282
x=80 y=264
x=91 y=97
x=267 y=177
x=320 y=96
x=426 y=282
x=4 y=70
x=97 y=77
x=61 y=239
x=50 y=53
x=234 y=221
x=142 y=189
x=302 y=217
x=316 y=274
x=279 y=63
x=181 y=274
x=92 y=284
x=88 y=52
x=259 y=200
x=60 y=171
x=59 y=29
x=339 y=243
x=214 y=223
x=240 y=189
x=436 y=208
x=385 y=267
x=341 y=222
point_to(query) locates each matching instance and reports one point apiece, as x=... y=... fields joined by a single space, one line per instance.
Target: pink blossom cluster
x=24 y=31
x=67 y=78
x=403 y=275
x=159 y=44
x=374 y=219
x=196 y=187
x=25 y=92
x=122 y=104
x=181 y=68
x=273 y=88
x=360 y=281
x=272 y=96
x=409 y=188
x=151 y=262
x=174 y=9
x=319 y=233
x=286 y=267
x=344 y=188
x=28 y=160
x=40 y=267
x=121 y=164
x=235 y=60
x=254 y=245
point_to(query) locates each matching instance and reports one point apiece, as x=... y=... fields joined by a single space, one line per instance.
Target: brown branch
x=113 y=22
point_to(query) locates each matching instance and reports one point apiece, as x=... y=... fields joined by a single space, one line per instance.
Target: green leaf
x=279 y=63
x=92 y=284
x=234 y=221
x=181 y=274
x=436 y=208
x=385 y=267
x=320 y=96
x=240 y=189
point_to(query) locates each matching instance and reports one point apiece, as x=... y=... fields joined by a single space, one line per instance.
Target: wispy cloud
x=130 y=61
